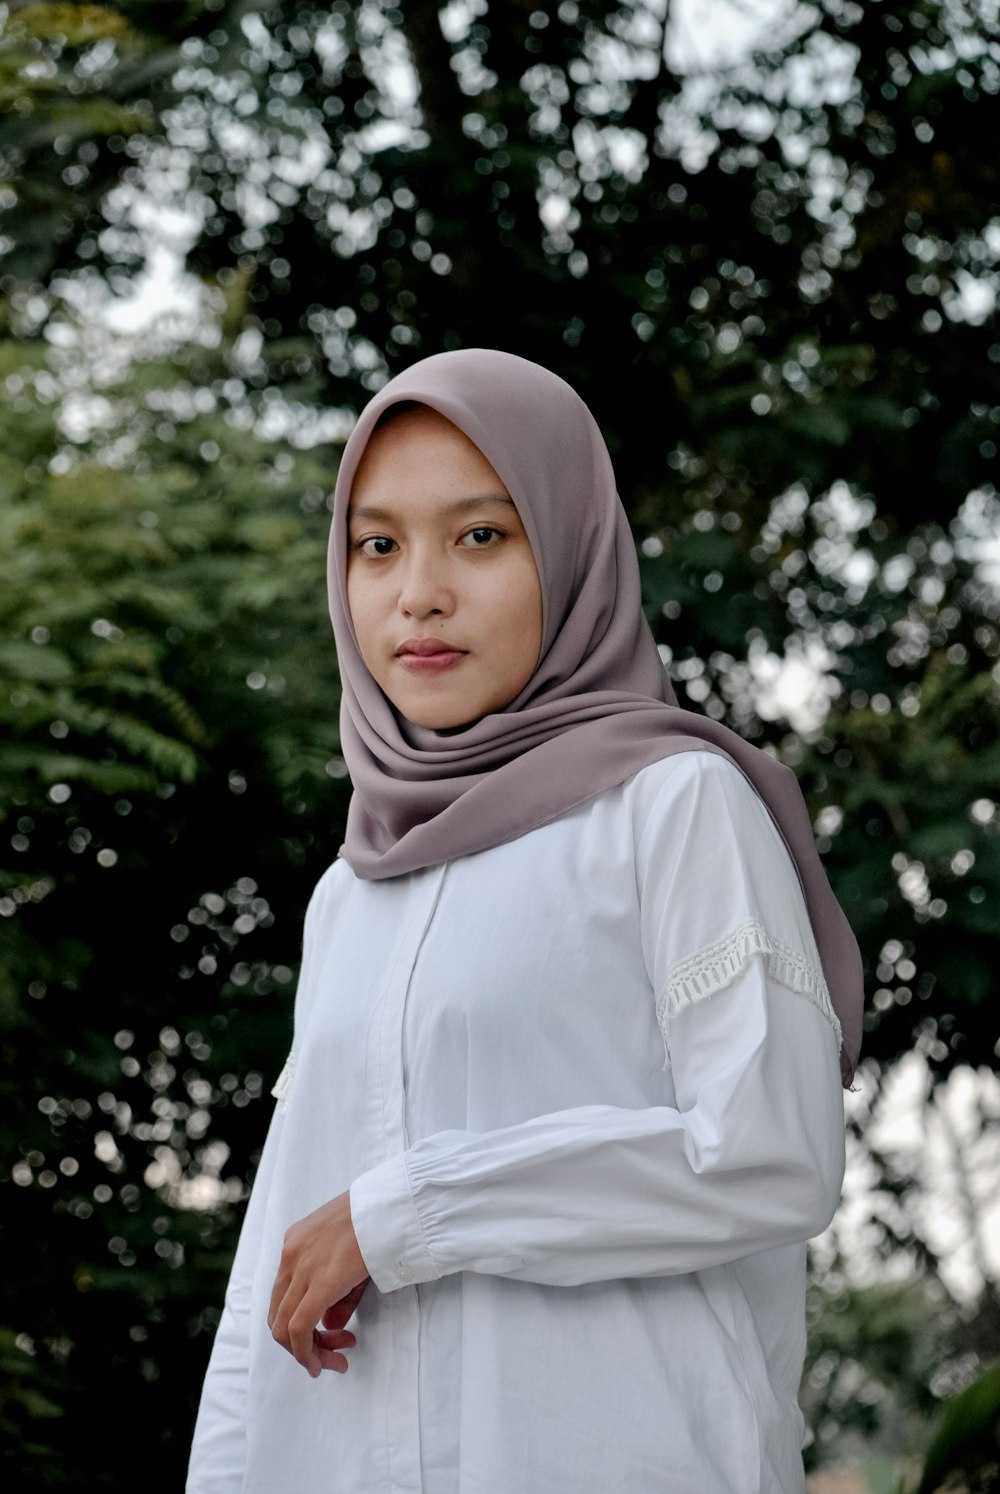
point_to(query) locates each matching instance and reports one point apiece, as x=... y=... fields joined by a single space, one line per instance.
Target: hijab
x=599 y=706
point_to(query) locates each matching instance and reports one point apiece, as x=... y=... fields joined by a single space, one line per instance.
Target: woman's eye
x=380 y=545
x=481 y=537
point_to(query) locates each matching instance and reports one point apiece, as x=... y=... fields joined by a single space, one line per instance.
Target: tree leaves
x=968 y=1439
x=762 y=289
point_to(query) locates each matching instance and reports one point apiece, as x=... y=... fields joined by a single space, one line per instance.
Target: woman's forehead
x=422 y=450
x=442 y=505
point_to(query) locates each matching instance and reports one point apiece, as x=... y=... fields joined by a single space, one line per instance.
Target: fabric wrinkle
x=558 y=1205
x=600 y=706
x=524 y=911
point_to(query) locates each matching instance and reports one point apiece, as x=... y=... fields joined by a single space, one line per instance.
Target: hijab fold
x=599 y=706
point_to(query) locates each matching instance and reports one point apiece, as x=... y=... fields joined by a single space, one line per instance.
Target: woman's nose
x=425 y=586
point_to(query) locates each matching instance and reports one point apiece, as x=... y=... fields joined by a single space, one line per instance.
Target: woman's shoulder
x=698 y=813
x=697 y=791
x=700 y=776
x=329 y=889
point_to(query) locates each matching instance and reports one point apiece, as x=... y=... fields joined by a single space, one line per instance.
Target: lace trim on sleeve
x=283 y=1085
x=717 y=965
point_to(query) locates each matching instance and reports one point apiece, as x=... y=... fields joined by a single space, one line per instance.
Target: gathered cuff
x=387 y=1228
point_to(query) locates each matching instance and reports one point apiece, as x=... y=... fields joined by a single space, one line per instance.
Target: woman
x=575 y=1006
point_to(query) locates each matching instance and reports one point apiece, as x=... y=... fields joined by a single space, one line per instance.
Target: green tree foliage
x=881 y=1358
x=775 y=287
x=759 y=292
x=82 y=89
x=169 y=783
x=967 y=1443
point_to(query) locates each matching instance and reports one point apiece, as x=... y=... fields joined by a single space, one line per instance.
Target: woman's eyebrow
x=456 y=506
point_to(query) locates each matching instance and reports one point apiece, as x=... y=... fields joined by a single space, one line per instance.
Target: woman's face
x=442 y=585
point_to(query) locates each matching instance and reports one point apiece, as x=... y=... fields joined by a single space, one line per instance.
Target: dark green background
x=781 y=313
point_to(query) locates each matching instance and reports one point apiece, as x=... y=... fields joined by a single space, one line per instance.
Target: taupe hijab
x=599 y=706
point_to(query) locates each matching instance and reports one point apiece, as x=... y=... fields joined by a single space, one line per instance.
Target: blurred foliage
x=881 y=1359
x=169 y=783
x=775 y=285
x=967 y=1444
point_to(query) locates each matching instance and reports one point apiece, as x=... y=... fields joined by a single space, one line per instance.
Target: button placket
x=402 y=1398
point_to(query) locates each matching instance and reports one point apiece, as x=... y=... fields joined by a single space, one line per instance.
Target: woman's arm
x=754 y=1158
x=751 y=1155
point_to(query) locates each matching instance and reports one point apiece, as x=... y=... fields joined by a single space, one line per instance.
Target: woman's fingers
x=319 y=1259
x=277 y=1295
x=329 y=1347
x=278 y=1319
x=337 y=1315
x=317 y=1350
x=301 y=1345
x=293 y=1327
x=341 y=1338
x=302 y=1330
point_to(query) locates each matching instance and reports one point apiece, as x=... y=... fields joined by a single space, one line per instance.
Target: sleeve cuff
x=387 y=1228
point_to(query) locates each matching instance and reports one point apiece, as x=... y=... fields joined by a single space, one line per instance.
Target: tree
x=773 y=284
x=170 y=782
x=783 y=283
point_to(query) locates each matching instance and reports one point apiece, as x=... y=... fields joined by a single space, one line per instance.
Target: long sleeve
x=751 y=1154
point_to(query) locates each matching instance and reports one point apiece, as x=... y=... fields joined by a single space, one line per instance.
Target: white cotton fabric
x=599 y=705
x=584 y=1221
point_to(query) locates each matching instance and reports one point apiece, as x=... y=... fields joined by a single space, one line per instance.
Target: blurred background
x=762 y=239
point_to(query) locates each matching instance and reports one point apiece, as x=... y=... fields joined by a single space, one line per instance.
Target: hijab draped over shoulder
x=599 y=706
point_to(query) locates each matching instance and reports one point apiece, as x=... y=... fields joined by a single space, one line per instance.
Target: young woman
x=575 y=1007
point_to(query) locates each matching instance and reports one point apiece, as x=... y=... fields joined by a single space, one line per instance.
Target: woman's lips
x=436 y=663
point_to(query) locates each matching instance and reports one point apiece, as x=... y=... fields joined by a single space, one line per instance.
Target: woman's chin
x=449 y=711
x=444 y=724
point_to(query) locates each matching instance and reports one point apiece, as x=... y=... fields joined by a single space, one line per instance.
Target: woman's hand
x=322 y=1274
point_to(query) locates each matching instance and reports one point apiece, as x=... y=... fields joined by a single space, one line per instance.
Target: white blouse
x=584 y=1090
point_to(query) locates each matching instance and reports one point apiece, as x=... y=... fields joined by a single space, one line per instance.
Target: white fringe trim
x=283 y=1084
x=716 y=965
